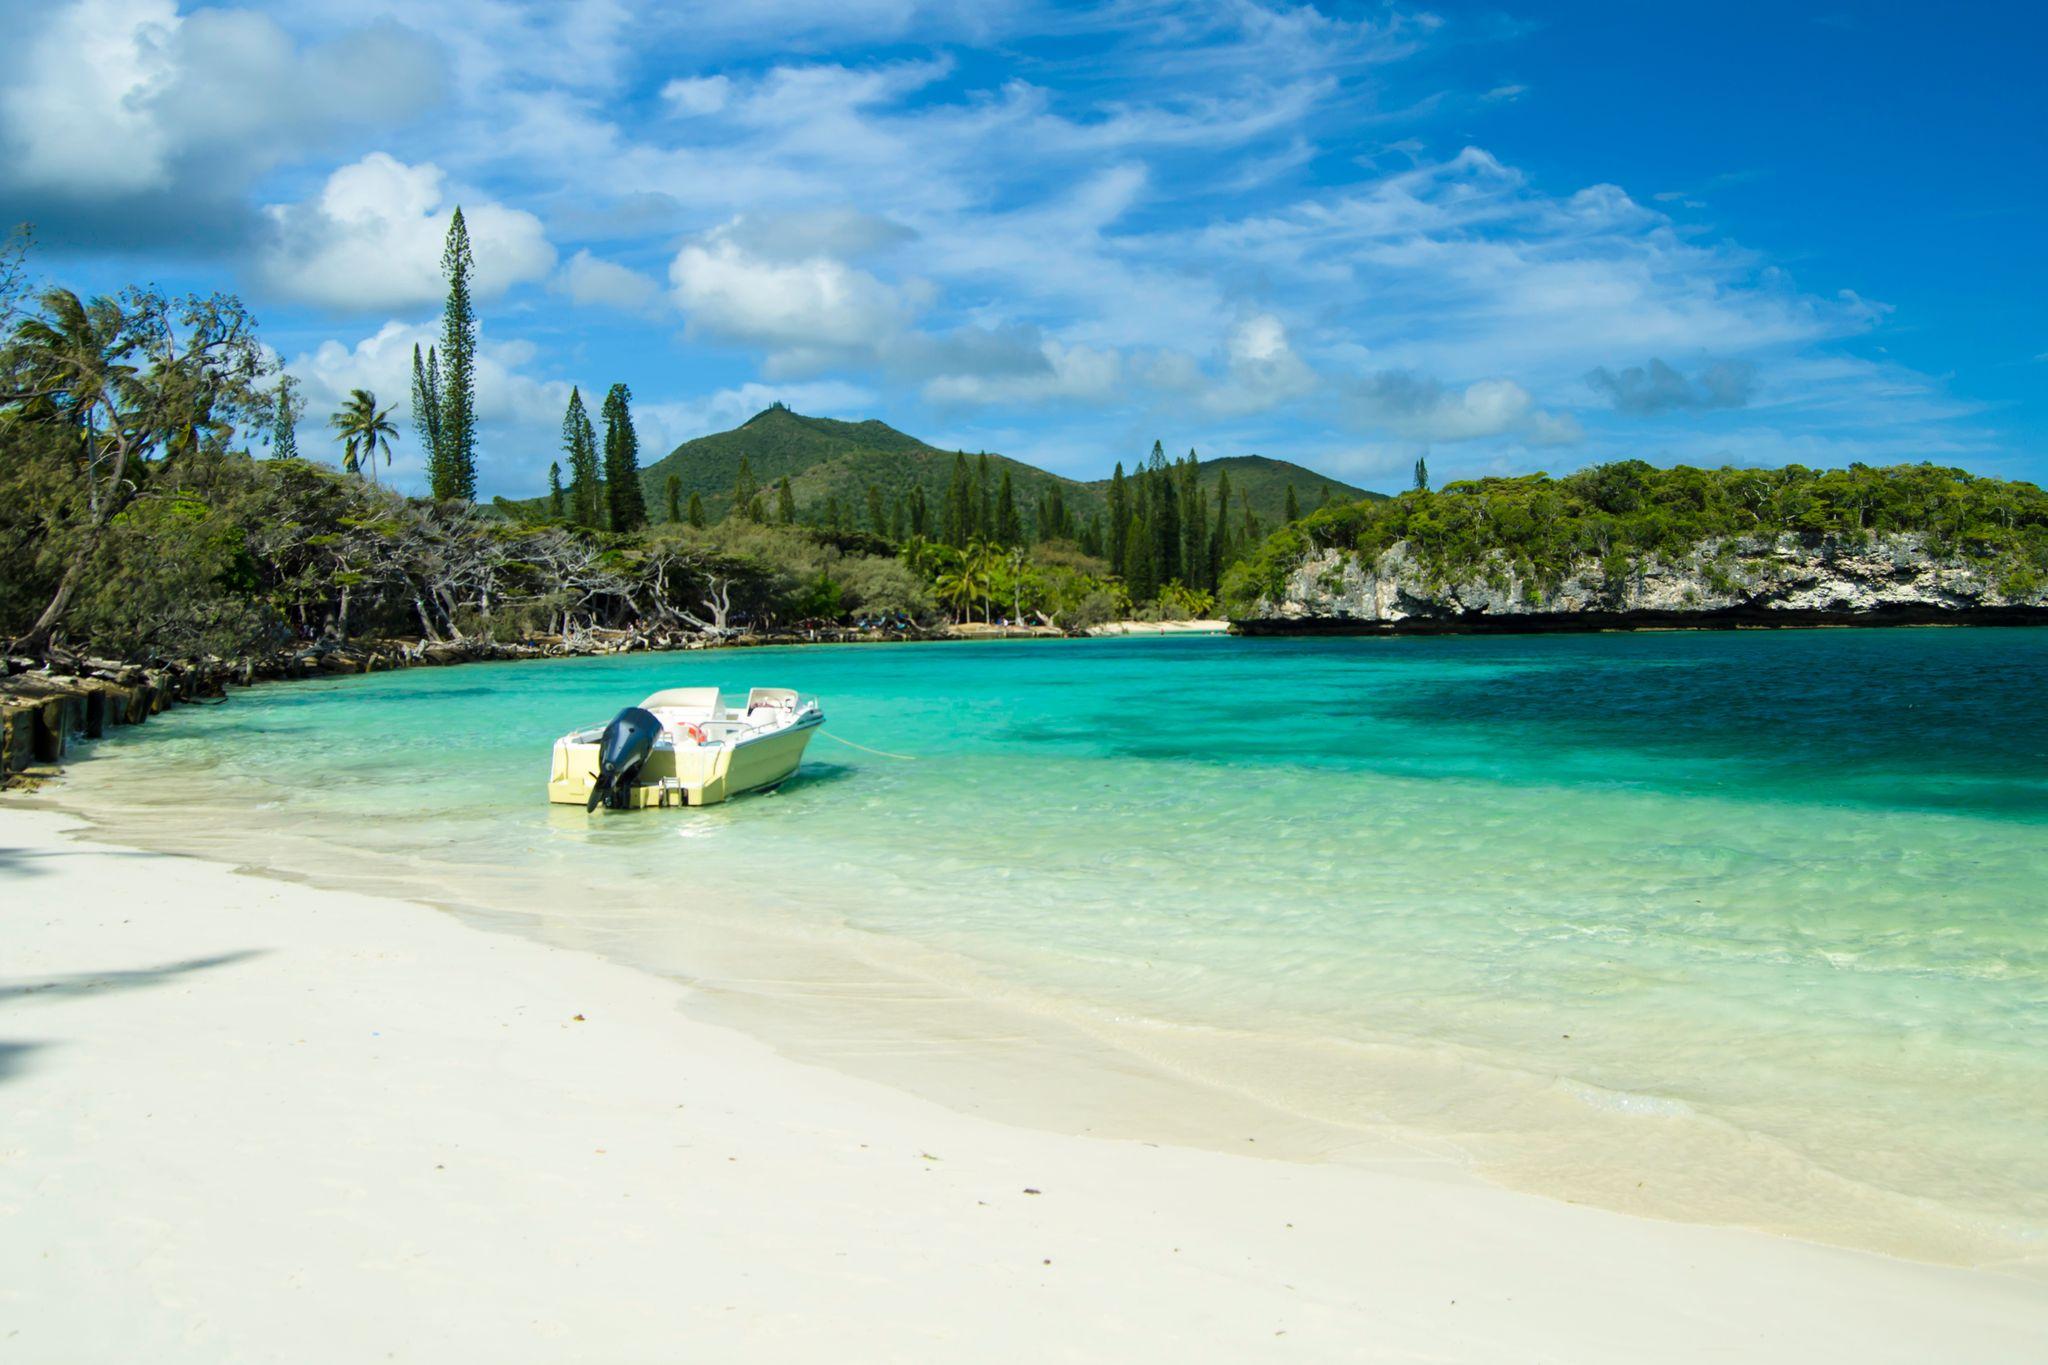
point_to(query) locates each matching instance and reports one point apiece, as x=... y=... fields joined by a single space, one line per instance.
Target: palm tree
x=978 y=565
x=363 y=429
x=957 y=589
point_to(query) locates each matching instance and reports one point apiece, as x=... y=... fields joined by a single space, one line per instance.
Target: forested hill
x=827 y=460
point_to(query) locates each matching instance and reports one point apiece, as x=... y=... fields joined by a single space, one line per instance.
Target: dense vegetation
x=1542 y=529
x=847 y=468
x=137 y=516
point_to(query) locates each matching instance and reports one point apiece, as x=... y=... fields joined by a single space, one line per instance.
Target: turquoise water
x=1746 y=927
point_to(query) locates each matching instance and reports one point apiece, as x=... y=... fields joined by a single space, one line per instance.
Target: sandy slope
x=243 y=1119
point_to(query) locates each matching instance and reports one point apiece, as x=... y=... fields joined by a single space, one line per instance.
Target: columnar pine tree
x=1119 y=517
x=745 y=491
x=426 y=412
x=785 y=502
x=957 y=528
x=1009 y=531
x=696 y=513
x=675 y=497
x=1163 y=509
x=1219 y=538
x=1139 y=568
x=624 y=498
x=1293 y=505
x=984 y=502
x=920 y=513
x=284 y=420
x=579 y=443
x=1421 y=474
x=878 y=516
x=455 y=474
x=555 y=490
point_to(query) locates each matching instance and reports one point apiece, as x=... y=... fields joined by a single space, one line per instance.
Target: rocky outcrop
x=1786 y=580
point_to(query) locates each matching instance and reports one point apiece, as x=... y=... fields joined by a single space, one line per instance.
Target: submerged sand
x=247 y=1119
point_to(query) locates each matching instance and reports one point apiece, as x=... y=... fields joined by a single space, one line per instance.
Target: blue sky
x=1507 y=238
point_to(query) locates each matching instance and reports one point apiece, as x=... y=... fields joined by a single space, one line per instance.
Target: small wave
x=1626 y=1101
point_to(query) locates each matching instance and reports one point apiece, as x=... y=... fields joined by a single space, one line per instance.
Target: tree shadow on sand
x=14 y=1055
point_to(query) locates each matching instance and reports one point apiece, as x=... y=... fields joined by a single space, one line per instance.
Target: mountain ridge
x=826 y=458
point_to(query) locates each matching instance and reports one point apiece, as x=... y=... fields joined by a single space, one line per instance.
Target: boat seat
x=704 y=699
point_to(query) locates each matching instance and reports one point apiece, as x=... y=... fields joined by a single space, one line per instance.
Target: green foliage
x=284 y=419
x=452 y=472
x=1625 y=514
x=579 y=443
x=364 y=430
x=624 y=496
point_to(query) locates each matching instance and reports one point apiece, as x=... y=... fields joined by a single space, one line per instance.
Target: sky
x=1501 y=238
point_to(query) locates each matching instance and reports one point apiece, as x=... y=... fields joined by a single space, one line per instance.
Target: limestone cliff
x=1788 y=579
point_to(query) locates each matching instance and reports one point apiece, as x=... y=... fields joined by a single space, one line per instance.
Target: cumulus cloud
x=697 y=94
x=1425 y=409
x=590 y=280
x=125 y=122
x=519 y=410
x=1646 y=391
x=802 y=304
x=1054 y=373
x=372 y=238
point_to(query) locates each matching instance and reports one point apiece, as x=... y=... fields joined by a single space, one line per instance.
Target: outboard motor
x=625 y=746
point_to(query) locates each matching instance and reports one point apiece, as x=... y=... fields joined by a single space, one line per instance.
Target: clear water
x=1744 y=927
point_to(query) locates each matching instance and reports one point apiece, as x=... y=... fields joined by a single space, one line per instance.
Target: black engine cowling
x=627 y=742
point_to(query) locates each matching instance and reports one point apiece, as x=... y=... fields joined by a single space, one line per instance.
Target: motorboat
x=685 y=746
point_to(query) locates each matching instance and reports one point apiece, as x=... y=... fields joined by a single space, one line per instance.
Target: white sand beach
x=245 y=1119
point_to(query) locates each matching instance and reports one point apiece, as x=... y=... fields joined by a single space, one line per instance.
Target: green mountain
x=824 y=458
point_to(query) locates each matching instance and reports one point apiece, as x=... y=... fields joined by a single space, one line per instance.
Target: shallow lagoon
x=1746 y=927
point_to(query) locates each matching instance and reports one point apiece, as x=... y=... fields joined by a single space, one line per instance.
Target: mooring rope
x=907 y=758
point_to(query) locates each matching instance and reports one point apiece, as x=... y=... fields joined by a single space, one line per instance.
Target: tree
x=555 y=490
x=426 y=412
x=363 y=429
x=626 y=500
x=454 y=476
x=579 y=443
x=1163 y=512
x=284 y=419
x=1421 y=474
x=1119 y=516
x=1009 y=531
x=745 y=492
x=1293 y=512
x=137 y=380
x=957 y=528
x=785 y=502
x=675 y=497
x=878 y=518
x=696 y=513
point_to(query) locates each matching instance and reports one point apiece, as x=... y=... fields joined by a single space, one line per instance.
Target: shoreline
x=354 y=1101
x=940 y=1024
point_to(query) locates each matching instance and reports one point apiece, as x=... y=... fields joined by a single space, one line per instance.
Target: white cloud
x=1060 y=373
x=698 y=94
x=800 y=307
x=518 y=410
x=115 y=104
x=372 y=240
x=589 y=280
x=1424 y=409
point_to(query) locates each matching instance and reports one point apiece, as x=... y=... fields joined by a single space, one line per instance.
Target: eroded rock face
x=1791 y=576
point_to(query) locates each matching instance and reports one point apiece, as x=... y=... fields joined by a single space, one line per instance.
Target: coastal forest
x=165 y=494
